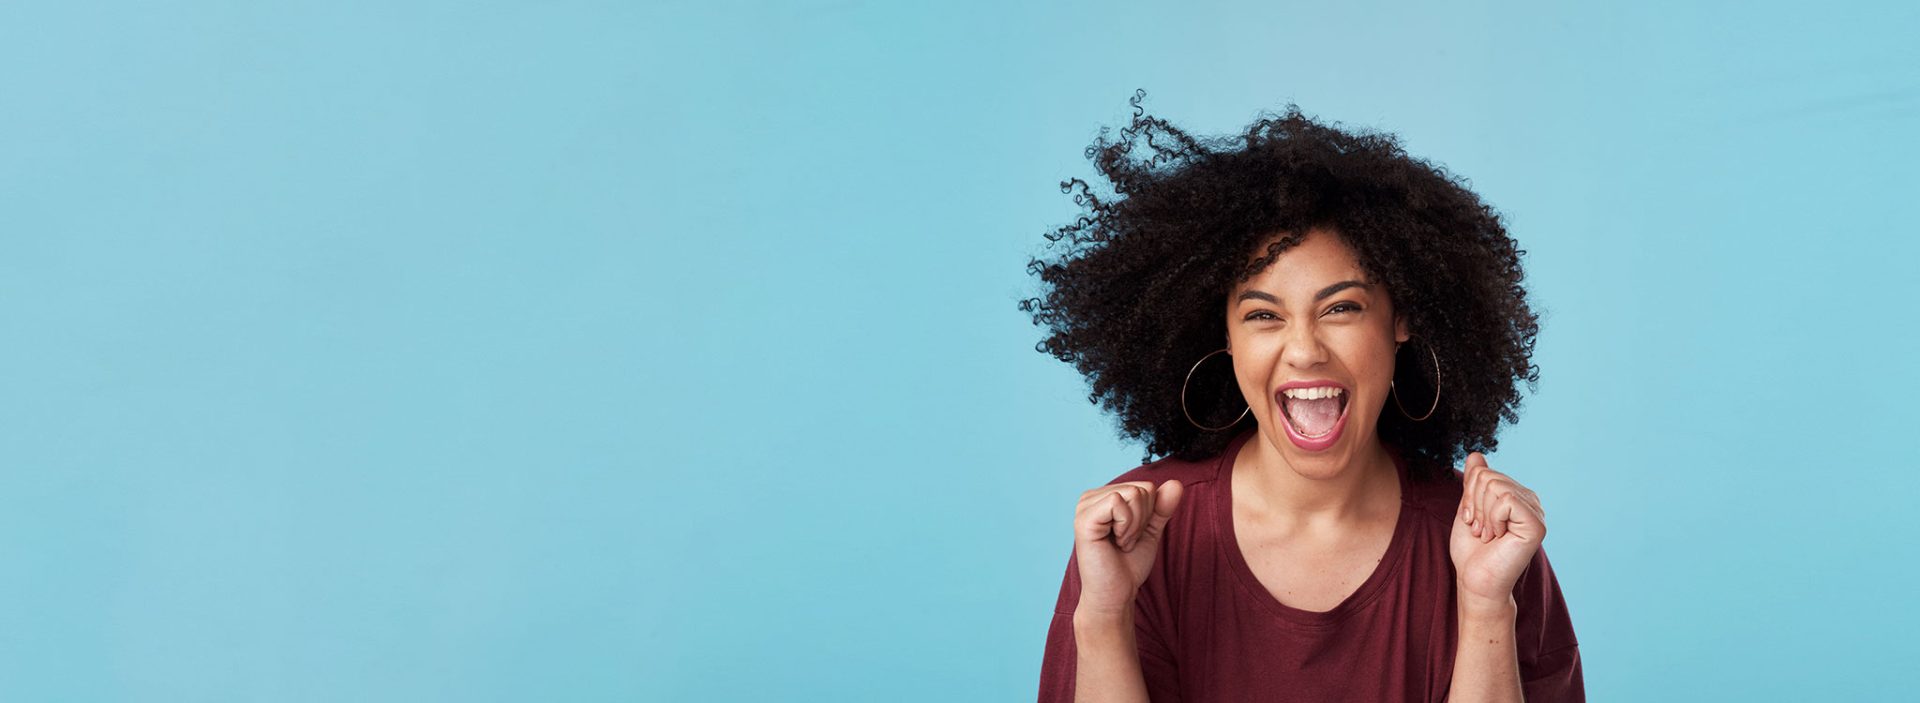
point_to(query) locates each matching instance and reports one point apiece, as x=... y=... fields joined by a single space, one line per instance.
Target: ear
x=1400 y=334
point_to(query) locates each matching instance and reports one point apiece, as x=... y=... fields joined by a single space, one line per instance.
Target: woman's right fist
x=1116 y=535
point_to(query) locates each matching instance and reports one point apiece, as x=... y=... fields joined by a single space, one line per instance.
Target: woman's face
x=1313 y=343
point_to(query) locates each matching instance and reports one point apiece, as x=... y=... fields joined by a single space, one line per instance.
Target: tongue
x=1313 y=417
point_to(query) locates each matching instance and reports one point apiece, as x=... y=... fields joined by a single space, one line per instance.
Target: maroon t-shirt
x=1207 y=630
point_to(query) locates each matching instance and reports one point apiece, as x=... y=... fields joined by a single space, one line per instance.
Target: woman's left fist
x=1496 y=530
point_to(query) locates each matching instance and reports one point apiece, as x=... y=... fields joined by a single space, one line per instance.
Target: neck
x=1352 y=492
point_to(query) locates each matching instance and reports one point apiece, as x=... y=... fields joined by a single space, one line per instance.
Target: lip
x=1311 y=384
x=1312 y=444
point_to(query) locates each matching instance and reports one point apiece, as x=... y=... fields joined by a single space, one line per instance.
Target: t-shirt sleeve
x=1058 y=663
x=1548 y=652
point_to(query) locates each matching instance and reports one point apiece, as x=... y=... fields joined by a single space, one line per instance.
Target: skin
x=1278 y=330
x=1316 y=521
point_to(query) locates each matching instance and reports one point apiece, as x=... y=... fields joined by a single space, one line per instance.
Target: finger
x=1483 y=526
x=1129 y=518
x=1501 y=514
x=1521 y=508
x=1143 y=511
x=1532 y=500
x=1487 y=488
x=1115 y=516
x=1477 y=519
x=1094 y=521
x=1475 y=491
x=1143 y=500
x=1477 y=472
x=1466 y=492
x=1491 y=486
x=1166 y=500
x=1527 y=517
x=1521 y=517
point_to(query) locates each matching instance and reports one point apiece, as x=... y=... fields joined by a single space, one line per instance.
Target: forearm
x=1107 y=666
x=1486 y=666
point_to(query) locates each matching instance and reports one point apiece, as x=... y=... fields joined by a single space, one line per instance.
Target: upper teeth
x=1314 y=393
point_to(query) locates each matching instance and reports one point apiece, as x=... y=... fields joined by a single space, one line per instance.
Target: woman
x=1306 y=535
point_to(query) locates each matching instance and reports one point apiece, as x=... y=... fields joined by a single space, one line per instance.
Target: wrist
x=1090 y=619
x=1482 y=610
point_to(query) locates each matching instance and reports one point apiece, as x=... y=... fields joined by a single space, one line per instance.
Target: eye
x=1348 y=307
x=1258 y=315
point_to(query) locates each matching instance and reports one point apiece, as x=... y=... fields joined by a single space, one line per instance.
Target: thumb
x=1165 y=500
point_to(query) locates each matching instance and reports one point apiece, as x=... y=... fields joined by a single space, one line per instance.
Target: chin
x=1326 y=463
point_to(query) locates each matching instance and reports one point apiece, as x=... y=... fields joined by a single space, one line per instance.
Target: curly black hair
x=1135 y=293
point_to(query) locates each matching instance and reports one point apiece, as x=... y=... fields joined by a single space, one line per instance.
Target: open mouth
x=1314 y=415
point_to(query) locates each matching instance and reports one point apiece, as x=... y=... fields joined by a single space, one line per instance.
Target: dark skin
x=1314 y=524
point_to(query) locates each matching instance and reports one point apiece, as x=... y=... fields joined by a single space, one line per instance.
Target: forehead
x=1316 y=260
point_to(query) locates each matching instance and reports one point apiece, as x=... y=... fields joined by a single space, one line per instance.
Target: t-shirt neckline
x=1376 y=582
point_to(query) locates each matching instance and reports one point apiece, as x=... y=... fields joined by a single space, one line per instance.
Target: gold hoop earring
x=1436 y=390
x=1183 y=397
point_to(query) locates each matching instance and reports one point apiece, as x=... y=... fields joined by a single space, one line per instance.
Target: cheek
x=1251 y=374
x=1247 y=375
x=1368 y=356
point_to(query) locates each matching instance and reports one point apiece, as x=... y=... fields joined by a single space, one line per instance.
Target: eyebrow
x=1317 y=297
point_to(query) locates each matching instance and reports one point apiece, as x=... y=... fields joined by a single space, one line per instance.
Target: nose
x=1304 y=348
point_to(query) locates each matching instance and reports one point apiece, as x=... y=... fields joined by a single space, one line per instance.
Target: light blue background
x=669 y=351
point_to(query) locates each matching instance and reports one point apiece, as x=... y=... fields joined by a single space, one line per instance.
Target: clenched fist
x=1496 y=530
x=1116 y=535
